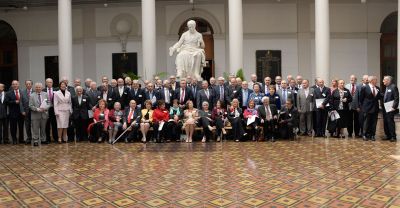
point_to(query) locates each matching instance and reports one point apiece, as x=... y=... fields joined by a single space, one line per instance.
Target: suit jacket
x=34 y=105
x=110 y=98
x=51 y=100
x=231 y=114
x=25 y=100
x=14 y=109
x=71 y=90
x=61 y=102
x=231 y=92
x=290 y=116
x=217 y=92
x=161 y=95
x=3 y=107
x=154 y=94
x=324 y=94
x=139 y=97
x=80 y=111
x=122 y=98
x=391 y=94
x=188 y=95
x=263 y=114
x=195 y=89
x=367 y=101
x=295 y=91
x=354 y=103
x=136 y=116
x=93 y=97
x=334 y=99
x=239 y=96
x=201 y=97
x=305 y=104
x=289 y=95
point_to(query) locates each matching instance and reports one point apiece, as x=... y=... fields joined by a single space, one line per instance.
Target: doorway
x=389 y=47
x=203 y=27
x=8 y=54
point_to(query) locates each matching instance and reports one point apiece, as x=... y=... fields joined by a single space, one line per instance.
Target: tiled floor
x=308 y=173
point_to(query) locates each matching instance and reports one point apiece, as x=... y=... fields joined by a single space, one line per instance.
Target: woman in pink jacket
x=62 y=110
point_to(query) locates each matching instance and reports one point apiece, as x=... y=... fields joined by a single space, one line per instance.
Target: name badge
x=276 y=97
x=290 y=115
x=289 y=93
x=323 y=94
x=311 y=95
x=84 y=100
x=109 y=98
x=45 y=100
x=234 y=91
x=140 y=95
x=170 y=94
x=389 y=90
x=98 y=97
x=345 y=91
x=125 y=93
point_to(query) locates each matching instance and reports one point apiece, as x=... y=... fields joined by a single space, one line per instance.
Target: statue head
x=192 y=26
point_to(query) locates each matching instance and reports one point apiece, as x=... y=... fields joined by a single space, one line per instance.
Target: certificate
x=90 y=113
x=251 y=119
x=44 y=105
x=388 y=106
x=318 y=102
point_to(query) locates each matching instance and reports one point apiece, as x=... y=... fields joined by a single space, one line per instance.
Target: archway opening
x=389 y=46
x=205 y=28
x=8 y=54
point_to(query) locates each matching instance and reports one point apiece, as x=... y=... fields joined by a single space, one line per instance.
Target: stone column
x=65 y=39
x=235 y=35
x=149 y=38
x=322 y=39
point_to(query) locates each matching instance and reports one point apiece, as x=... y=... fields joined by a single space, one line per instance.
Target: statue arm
x=202 y=45
x=176 y=46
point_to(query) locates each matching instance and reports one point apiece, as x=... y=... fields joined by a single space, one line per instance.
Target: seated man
x=288 y=120
x=131 y=120
x=268 y=114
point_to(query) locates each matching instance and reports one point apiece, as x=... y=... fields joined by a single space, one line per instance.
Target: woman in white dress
x=62 y=110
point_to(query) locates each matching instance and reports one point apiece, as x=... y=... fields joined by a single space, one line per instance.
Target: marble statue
x=191 y=57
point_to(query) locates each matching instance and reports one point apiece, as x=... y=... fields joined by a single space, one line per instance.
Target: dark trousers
x=81 y=126
x=389 y=125
x=269 y=128
x=361 y=122
x=3 y=130
x=71 y=131
x=354 y=123
x=219 y=124
x=97 y=131
x=286 y=130
x=51 y=124
x=320 y=122
x=160 y=135
x=175 y=130
x=17 y=123
x=370 y=120
x=132 y=135
x=204 y=123
x=27 y=121
x=237 y=128
x=253 y=130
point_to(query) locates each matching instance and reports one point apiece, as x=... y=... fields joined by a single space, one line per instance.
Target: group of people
x=164 y=110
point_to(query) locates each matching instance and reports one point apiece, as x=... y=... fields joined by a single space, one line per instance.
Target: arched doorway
x=8 y=54
x=203 y=27
x=389 y=46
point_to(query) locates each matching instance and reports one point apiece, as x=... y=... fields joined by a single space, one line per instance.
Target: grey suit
x=305 y=106
x=289 y=96
x=25 y=109
x=354 y=118
x=39 y=119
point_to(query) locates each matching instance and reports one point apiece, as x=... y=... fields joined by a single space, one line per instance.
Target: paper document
x=318 y=102
x=388 y=106
x=251 y=119
x=90 y=113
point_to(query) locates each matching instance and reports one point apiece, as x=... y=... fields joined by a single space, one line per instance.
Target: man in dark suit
x=221 y=90
x=51 y=123
x=205 y=94
x=137 y=94
x=104 y=80
x=369 y=102
x=151 y=94
x=13 y=100
x=131 y=118
x=165 y=93
x=266 y=84
x=268 y=114
x=25 y=96
x=288 y=120
x=183 y=94
x=294 y=89
x=80 y=107
x=231 y=91
x=107 y=95
x=3 y=116
x=194 y=87
x=320 y=92
x=93 y=94
x=364 y=82
x=174 y=84
x=243 y=95
x=353 y=124
x=391 y=94
x=122 y=93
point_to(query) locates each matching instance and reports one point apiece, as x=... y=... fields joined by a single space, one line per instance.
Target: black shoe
x=365 y=138
x=272 y=139
x=27 y=142
x=373 y=138
x=35 y=144
x=393 y=139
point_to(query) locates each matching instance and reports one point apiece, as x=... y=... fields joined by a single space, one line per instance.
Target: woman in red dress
x=160 y=117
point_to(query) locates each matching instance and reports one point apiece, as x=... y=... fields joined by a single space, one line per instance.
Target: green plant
x=161 y=75
x=132 y=75
x=240 y=74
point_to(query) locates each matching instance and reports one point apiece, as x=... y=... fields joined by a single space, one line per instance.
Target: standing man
x=305 y=102
x=321 y=92
x=285 y=93
x=353 y=123
x=3 y=116
x=253 y=81
x=122 y=93
x=183 y=94
x=15 y=116
x=51 y=123
x=39 y=105
x=165 y=93
x=25 y=96
x=243 y=95
x=205 y=94
x=391 y=94
x=369 y=102
x=137 y=94
x=80 y=107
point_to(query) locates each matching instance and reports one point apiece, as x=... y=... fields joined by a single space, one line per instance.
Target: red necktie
x=373 y=91
x=130 y=116
x=183 y=96
x=353 y=89
x=50 y=94
x=16 y=95
x=29 y=93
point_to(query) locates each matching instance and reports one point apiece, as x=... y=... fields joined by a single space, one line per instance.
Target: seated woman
x=219 y=117
x=274 y=97
x=235 y=116
x=100 y=122
x=205 y=121
x=175 y=124
x=147 y=119
x=250 y=112
x=257 y=95
x=189 y=119
x=115 y=118
x=160 y=119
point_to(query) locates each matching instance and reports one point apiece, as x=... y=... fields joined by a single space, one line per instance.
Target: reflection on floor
x=307 y=173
